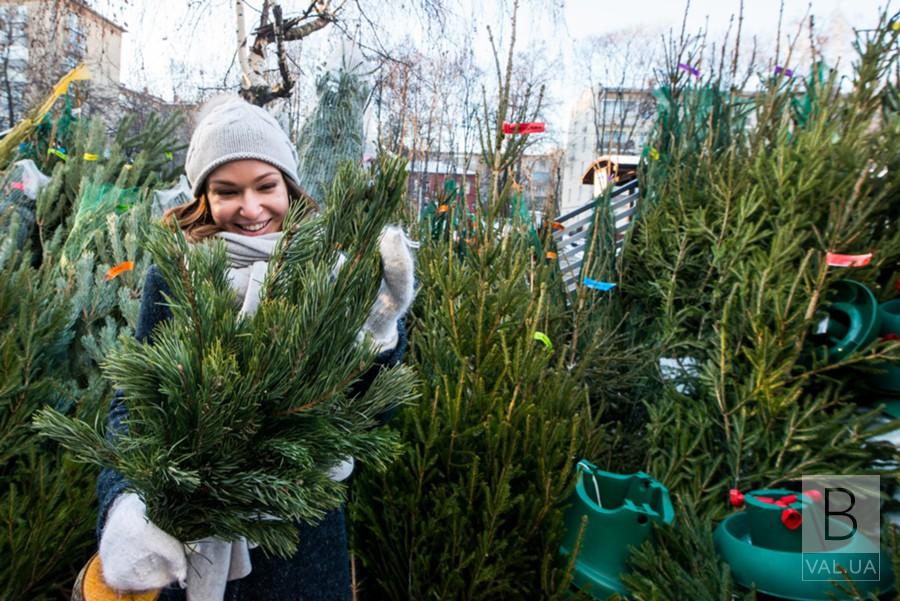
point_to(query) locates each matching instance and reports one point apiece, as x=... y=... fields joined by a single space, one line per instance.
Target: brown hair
x=195 y=217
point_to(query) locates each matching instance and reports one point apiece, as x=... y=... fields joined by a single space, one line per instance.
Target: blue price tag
x=602 y=286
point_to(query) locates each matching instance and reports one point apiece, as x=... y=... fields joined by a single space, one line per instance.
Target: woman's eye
x=225 y=192
x=267 y=187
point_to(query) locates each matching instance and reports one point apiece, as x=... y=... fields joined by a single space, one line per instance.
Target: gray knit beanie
x=230 y=129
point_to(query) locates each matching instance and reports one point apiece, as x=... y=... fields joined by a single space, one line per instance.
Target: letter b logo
x=845 y=493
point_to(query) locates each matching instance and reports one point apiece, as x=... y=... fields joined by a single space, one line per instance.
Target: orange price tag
x=550 y=254
x=443 y=208
x=557 y=226
x=119 y=269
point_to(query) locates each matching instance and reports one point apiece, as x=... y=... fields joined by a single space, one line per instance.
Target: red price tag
x=838 y=260
x=534 y=127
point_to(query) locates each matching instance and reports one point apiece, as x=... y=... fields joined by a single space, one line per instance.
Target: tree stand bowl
x=618 y=510
x=889 y=379
x=853 y=319
x=762 y=552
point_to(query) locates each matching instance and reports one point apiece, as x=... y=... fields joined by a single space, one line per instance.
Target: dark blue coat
x=320 y=569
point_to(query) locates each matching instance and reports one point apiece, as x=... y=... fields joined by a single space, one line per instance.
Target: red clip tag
x=764 y=499
x=523 y=128
x=838 y=260
x=736 y=498
x=791 y=518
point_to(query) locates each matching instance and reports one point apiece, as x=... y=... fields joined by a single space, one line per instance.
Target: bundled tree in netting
x=334 y=132
x=226 y=430
x=726 y=268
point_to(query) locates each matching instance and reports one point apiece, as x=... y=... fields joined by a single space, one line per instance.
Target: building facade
x=610 y=121
x=40 y=40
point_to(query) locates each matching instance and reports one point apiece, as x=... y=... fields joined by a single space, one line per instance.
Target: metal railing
x=570 y=231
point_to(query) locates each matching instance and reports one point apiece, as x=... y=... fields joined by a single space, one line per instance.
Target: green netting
x=334 y=133
x=96 y=203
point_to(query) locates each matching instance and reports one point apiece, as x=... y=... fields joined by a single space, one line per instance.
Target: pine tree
x=249 y=427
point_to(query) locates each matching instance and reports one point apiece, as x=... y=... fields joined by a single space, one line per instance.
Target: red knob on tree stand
x=791 y=518
x=786 y=500
x=736 y=498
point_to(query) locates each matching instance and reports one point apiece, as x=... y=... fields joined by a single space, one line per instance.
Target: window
x=540 y=177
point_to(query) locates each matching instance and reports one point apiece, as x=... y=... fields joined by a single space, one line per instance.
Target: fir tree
x=47 y=501
x=474 y=507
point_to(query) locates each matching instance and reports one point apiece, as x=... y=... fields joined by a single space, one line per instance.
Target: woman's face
x=247 y=197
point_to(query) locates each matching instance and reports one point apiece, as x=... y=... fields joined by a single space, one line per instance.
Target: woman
x=242 y=170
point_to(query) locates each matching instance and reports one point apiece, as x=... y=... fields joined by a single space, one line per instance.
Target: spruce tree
x=726 y=267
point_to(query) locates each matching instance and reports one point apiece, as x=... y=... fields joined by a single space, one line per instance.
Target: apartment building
x=40 y=40
x=615 y=121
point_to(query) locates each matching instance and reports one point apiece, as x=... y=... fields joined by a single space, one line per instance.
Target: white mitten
x=342 y=470
x=135 y=554
x=396 y=293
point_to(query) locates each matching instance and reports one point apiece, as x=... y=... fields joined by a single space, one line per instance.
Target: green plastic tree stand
x=889 y=379
x=618 y=511
x=764 y=552
x=852 y=321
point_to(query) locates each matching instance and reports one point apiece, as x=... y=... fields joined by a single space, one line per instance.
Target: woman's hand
x=134 y=553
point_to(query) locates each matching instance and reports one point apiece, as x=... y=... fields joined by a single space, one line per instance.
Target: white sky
x=166 y=32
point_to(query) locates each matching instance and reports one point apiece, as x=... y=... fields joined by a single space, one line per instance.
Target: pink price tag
x=17 y=186
x=837 y=260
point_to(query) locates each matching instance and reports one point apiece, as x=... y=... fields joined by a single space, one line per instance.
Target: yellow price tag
x=654 y=154
x=58 y=152
x=90 y=156
x=541 y=337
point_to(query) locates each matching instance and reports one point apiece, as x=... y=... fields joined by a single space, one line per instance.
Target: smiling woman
x=242 y=168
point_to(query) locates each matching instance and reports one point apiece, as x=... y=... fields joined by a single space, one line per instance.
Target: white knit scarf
x=248 y=260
